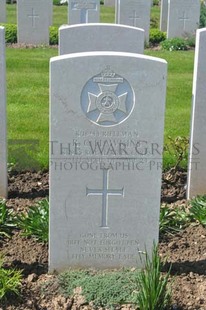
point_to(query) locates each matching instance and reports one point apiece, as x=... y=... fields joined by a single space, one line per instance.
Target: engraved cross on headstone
x=33 y=16
x=134 y=18
x=105 y=192
x=184 y=18
x=84 y=8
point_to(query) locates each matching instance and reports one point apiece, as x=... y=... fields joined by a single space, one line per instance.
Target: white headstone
x=106 y=133
x=134 y=13
x=197 y=155
x=100 y=37
x=109 y=3
x=83 y=11
x=34 y=19
x=164 y=15
x=3 y=135
x=2 y=11
x=183 y=17
x=51 y=13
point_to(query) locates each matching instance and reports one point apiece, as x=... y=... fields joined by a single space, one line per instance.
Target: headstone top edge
x=91 y=25
x=103 y=53
x=200 y=31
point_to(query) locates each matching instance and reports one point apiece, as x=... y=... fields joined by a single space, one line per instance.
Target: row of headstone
x=3 y=134
x=2 y=11
x=179 y=18
x=35 y=16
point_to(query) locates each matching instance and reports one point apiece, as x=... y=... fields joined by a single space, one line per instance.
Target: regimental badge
x=107 y=99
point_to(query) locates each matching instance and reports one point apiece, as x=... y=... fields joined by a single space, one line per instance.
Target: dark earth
x=186 y=250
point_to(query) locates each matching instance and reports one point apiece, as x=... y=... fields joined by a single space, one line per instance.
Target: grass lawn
x=28 y=90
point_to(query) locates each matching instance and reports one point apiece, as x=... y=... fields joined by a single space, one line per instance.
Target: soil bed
x=186 y=251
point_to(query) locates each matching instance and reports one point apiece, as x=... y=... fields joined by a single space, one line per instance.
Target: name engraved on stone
x=105 y=192
x=84 y=7
x=184 y=19
x=107 y=99
x=33 y=17
x=134 y=18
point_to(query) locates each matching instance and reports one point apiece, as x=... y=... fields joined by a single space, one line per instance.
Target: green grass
x=36 y=222
x=28 y=92
x=7 y=221
x=10 y=281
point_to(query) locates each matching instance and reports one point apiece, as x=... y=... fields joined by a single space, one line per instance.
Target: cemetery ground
x=184 y=245
x=182 y=232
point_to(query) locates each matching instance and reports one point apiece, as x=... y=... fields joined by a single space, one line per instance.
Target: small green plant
x=203 y=15
x=178 y=149
x=172 y=220
x=10 y=33
x=154 y=22
x=198 y=209
x=7 y=221
x=156 y=36
x=36 y=222
x=53 y=36
x=153 y=291
x=103 y=289
x=191 y=40
x=10 y=281
x=174 y=44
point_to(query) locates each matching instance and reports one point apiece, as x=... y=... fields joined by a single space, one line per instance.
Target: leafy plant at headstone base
x=103 y=289
x=10 y=281
x=198 y=209
x=203 y=15
x=154 y=291
x=172 y=220
x=156 y=36
x=10 y=33
x=174 y=44
x=191 y=40
x=154 y=22
x=53 y=35
x=7 y=220
x=178 y=149
x=35 y=223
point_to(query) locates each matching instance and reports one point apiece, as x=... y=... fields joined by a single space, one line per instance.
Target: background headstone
x=3 y=135
x=197 y=155
x=164 y=15
x=51 y=13
x=94 y=37
x=134 y=13
x=105 y=180
x=83 y=11
x=183 y=17
x=34 y=19
x=109 y=3
x=2 y=11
